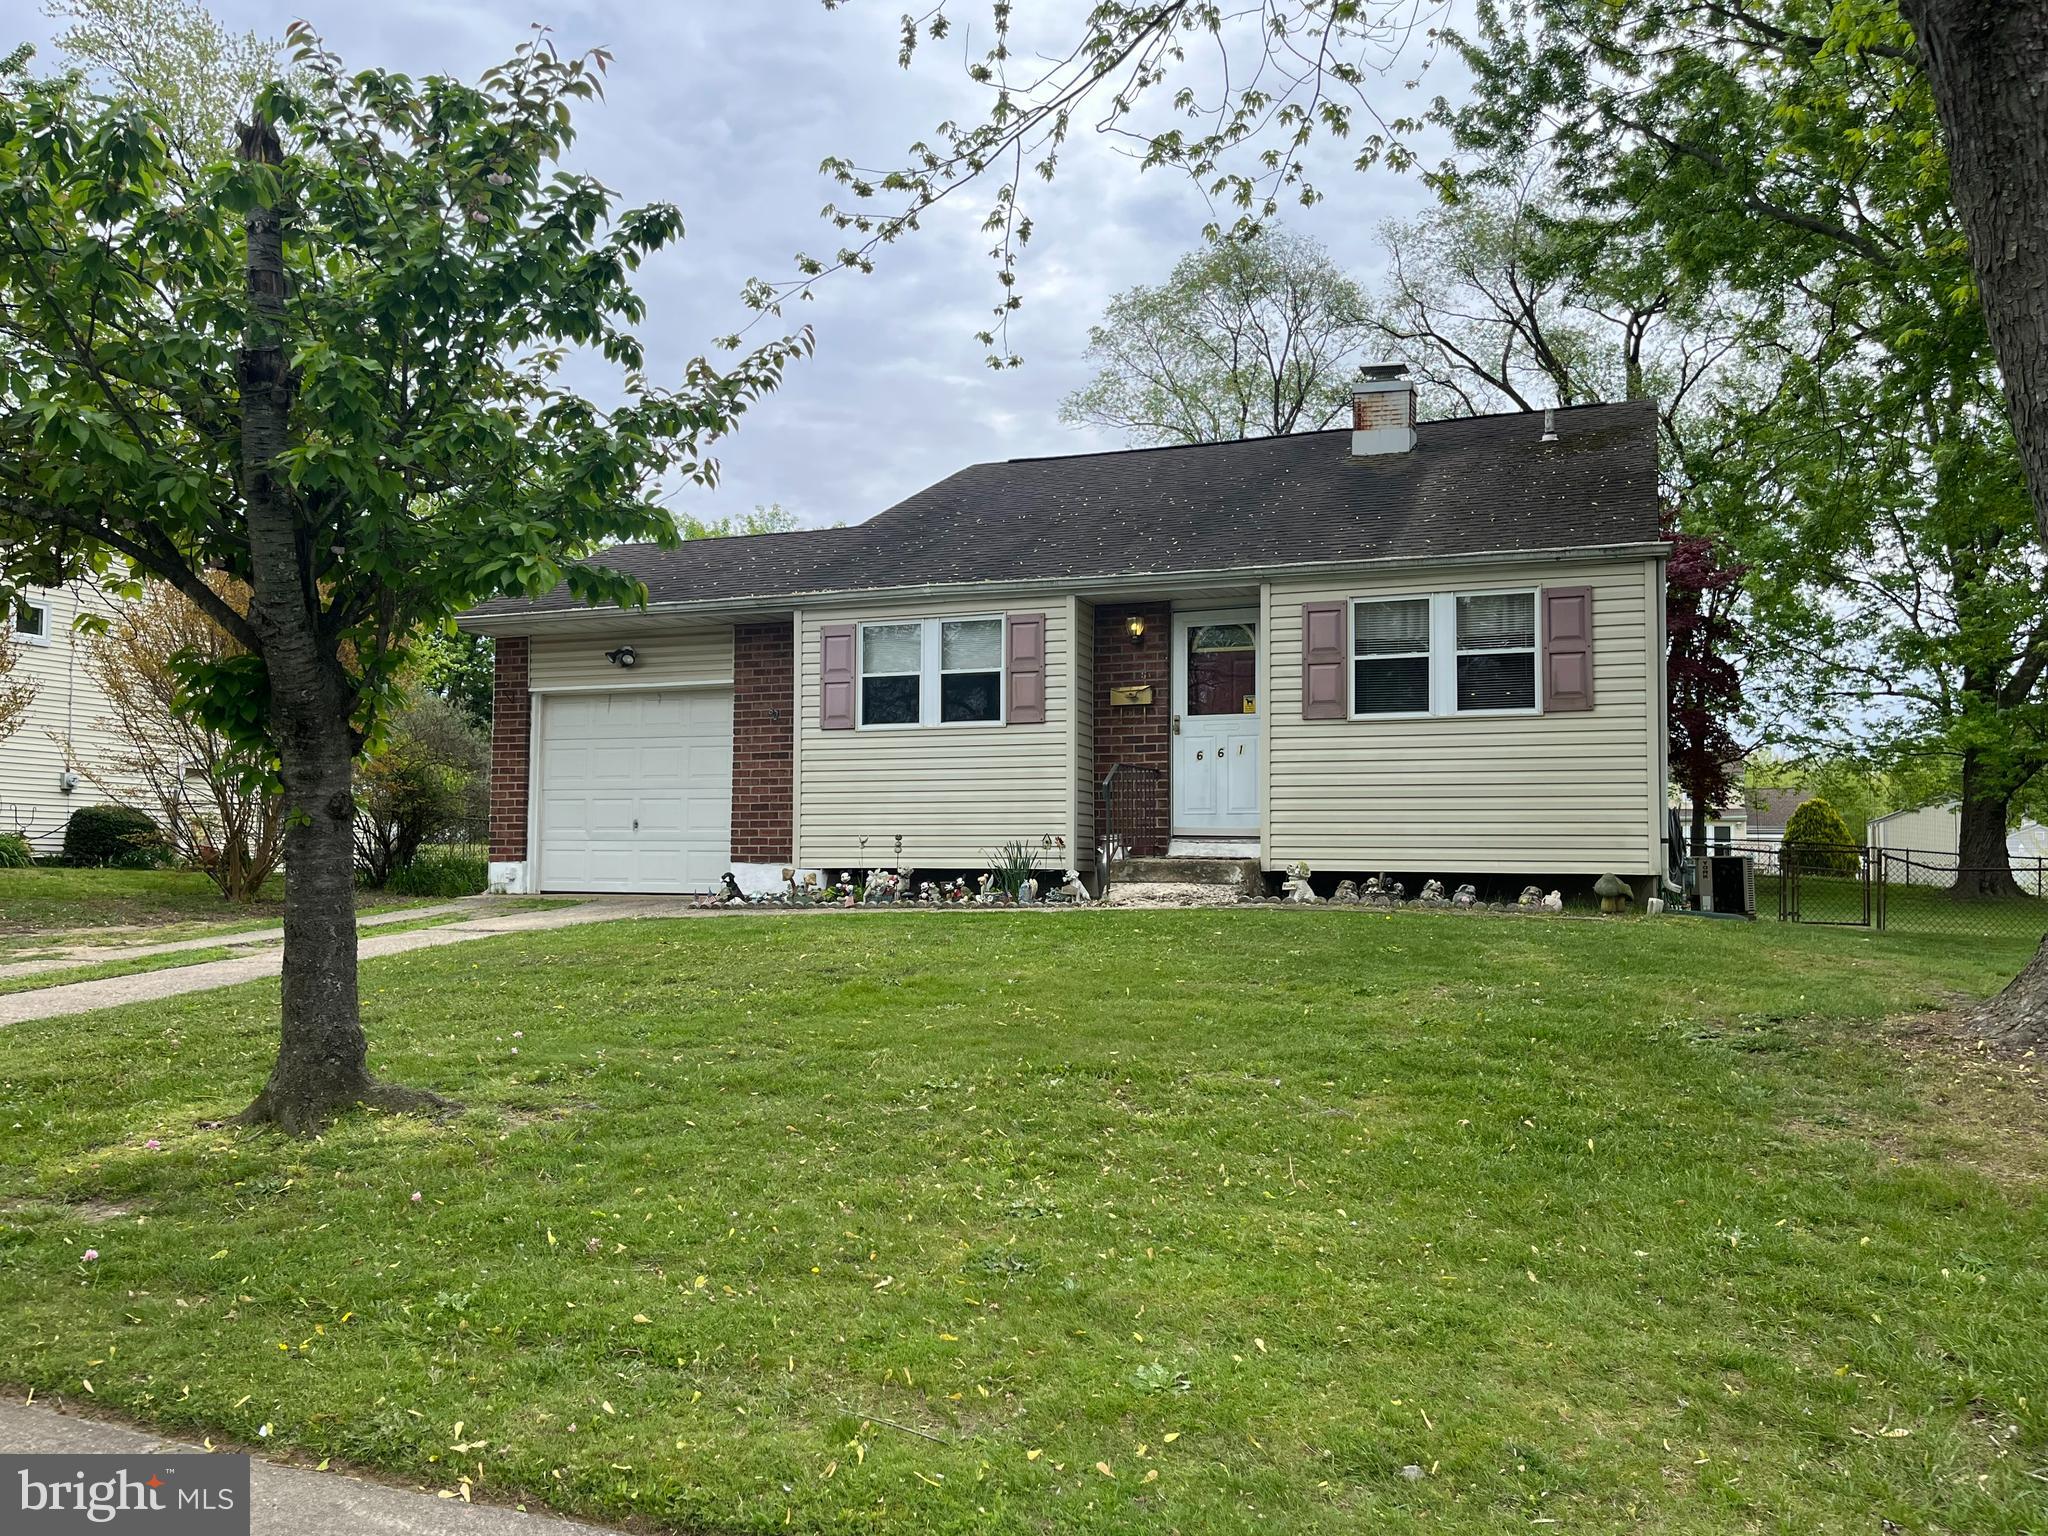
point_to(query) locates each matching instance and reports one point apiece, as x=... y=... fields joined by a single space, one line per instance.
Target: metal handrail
x=1123 y=788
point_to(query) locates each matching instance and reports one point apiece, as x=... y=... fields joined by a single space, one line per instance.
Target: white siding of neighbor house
x=1924 y=829
x=1566 y=794
x=953 y=792
x=69 y=711
x=1081 y=842
x=678 y=659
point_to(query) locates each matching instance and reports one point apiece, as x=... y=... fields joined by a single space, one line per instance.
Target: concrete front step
x=1242 y=873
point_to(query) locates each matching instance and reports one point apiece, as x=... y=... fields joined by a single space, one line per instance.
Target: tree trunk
x=1983 y=867
x=322 y=1058
x=1986 y=61
x=2017 y=1019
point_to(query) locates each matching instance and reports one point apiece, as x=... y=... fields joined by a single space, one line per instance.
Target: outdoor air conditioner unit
x=1728 y=884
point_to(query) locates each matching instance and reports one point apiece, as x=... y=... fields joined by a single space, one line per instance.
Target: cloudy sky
x=726 y=107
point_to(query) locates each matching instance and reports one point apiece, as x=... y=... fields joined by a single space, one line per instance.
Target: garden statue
x=1432 y=893
x=1296 y=884
x=1374 y=894
x=1027 y=893
x=1074 y=889
x=1614 y=893
x=1347 y=890
x=1554 y=902
x=729 y=893
x=1530 y=897
x=1395 y=890
x=1468 y=896
x=984 y=884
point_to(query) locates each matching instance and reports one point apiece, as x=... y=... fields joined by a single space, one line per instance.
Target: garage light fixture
x=624 y=656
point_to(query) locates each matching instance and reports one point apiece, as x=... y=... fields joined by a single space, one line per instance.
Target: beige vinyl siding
x=953 y=792
x=1081 y=841
x=674 y=659
x=69 y=711
x=1573 y=793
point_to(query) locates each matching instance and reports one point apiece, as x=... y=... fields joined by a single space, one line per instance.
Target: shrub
x=1818 y=840
x=100 y=835
x=442 y=872
x=428 y=782
x=15 y=852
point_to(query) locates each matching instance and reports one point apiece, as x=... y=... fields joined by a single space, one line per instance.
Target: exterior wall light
x=1136 y=625
x=625 y=656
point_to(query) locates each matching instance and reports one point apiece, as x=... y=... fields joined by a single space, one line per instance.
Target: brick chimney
x=1382 y=411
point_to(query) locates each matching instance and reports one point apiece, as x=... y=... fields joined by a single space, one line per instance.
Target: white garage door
x=635 y=790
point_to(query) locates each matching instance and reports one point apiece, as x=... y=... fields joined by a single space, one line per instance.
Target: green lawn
x=170 y=903
x=1194 y=1221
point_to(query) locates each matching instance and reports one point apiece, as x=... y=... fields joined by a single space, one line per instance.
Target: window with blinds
x=1390 y=657
x=1449 y=653
x=1496 y=642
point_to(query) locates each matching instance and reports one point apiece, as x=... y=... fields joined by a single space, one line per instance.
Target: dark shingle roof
x=1470 y=486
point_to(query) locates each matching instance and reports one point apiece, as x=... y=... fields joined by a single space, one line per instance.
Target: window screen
x=971 y=669
x=1390 y=657
x=1497 y=651
x=891 y=673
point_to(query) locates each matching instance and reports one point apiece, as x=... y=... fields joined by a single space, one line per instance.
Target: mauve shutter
x=836 y=676
x=1322 y=661
x=1025 y=662
x=1567 y=649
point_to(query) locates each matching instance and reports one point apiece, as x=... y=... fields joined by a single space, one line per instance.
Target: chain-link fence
x=1899 y=890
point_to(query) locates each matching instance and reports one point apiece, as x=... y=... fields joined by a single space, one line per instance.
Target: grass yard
x=170 y=903
x=1321 y=1221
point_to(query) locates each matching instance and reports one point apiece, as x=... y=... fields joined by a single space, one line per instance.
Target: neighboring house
x=1923 y=843
x=65 y=722
x=1433 y=650
x=1726 y=826
x=1767 y=811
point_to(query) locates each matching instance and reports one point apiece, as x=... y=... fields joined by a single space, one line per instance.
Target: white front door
x=635 y=790
x=1216 y=723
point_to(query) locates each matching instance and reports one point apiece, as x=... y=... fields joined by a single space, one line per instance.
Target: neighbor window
x=932 y=672
x=32 y=621
x=1390 y=657
x=1449 y=653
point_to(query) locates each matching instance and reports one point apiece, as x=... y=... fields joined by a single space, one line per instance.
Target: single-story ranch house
x=1434 y=648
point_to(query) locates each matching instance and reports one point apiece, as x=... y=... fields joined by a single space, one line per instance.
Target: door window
x=1223 y=669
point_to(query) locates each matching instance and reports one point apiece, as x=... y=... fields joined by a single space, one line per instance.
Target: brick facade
x=763 y=741
x=511 y=738
x=1138 y=734
x=1383 y=409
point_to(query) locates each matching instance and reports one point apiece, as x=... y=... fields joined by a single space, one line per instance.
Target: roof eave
x=1131 y=583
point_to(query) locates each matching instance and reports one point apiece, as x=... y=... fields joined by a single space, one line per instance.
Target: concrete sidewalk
x=290 y=1501
x=72 y=956
x=146 y=986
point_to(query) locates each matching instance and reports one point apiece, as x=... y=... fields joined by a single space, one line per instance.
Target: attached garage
x=634 y=789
